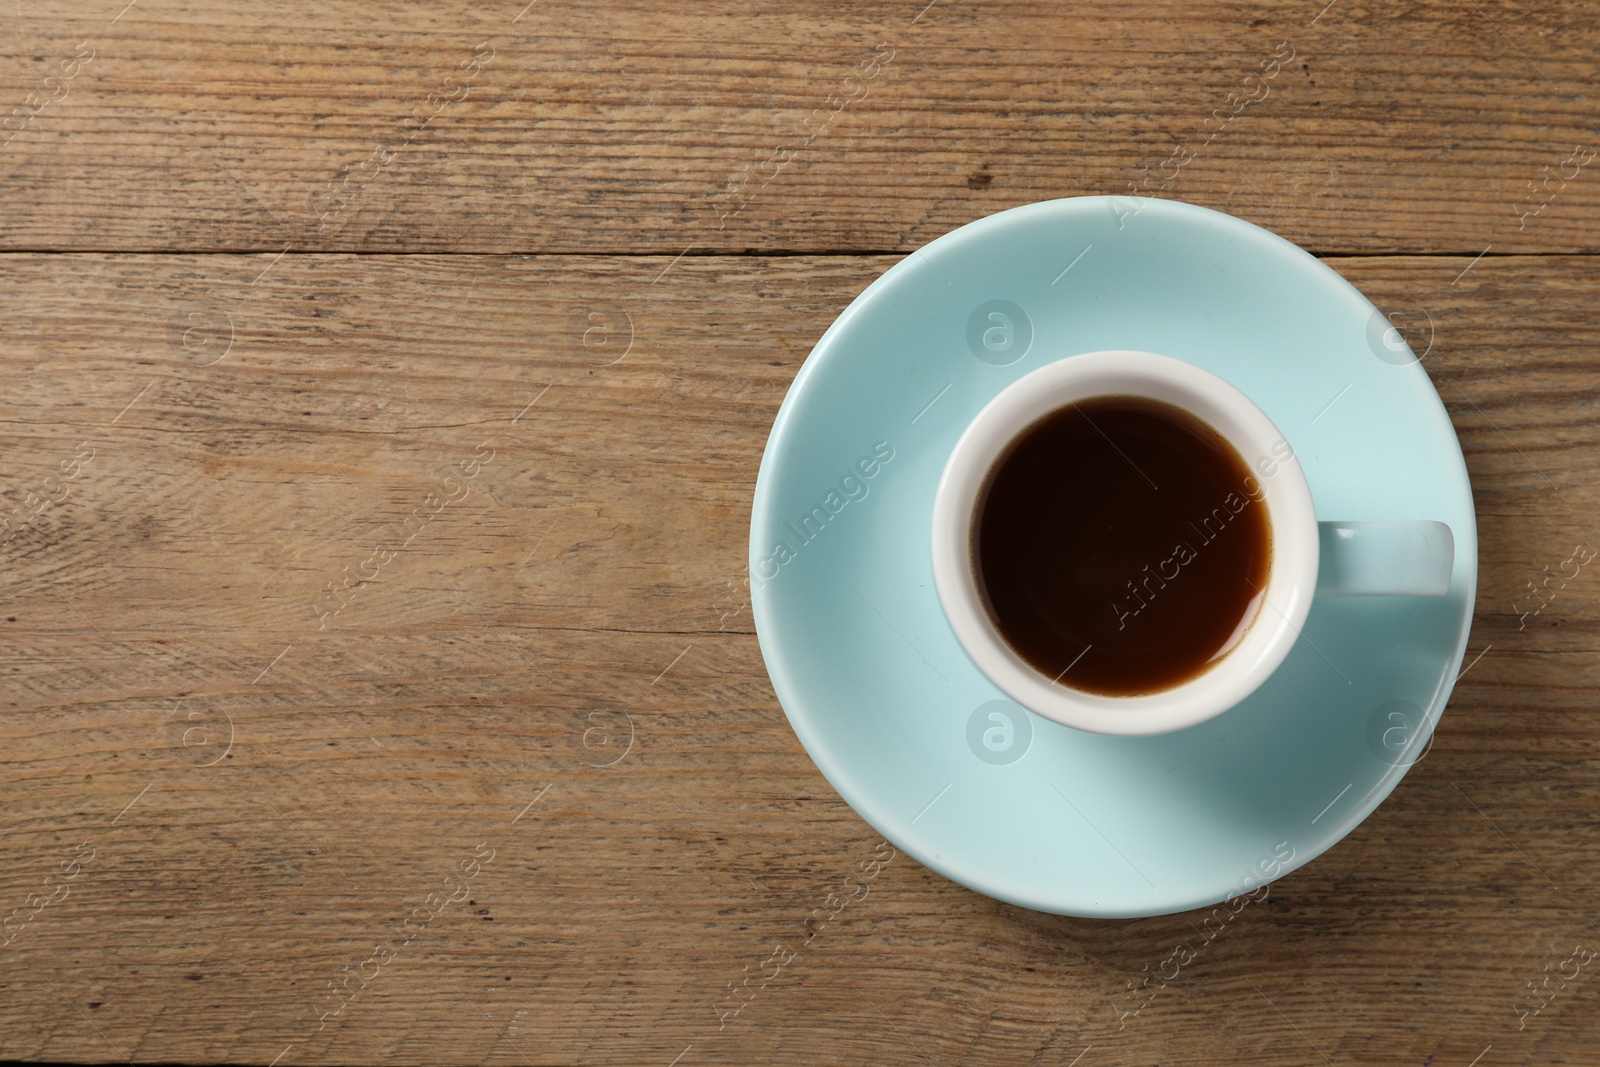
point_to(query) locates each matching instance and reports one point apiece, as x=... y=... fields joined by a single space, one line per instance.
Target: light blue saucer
x=890 y=707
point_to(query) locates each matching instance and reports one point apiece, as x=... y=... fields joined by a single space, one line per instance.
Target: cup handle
x=1385 y=558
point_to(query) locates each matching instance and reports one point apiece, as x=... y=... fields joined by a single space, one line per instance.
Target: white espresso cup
x=1308 y=557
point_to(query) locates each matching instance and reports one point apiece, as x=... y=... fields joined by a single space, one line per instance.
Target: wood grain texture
x=267 y=799
x=276 y=320
x=559 y=126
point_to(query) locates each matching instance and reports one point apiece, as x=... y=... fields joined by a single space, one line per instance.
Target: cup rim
x=1291 y=582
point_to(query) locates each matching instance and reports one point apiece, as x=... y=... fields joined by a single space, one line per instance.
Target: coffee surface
x=1120 y=545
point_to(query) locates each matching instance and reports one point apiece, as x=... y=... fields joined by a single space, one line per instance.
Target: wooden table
x=384 y=390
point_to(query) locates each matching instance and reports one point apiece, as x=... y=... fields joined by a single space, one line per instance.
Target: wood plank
x=560 y=668
x=175 y=125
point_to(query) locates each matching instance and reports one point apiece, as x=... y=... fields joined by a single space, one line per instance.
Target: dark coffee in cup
x=1121 y=545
